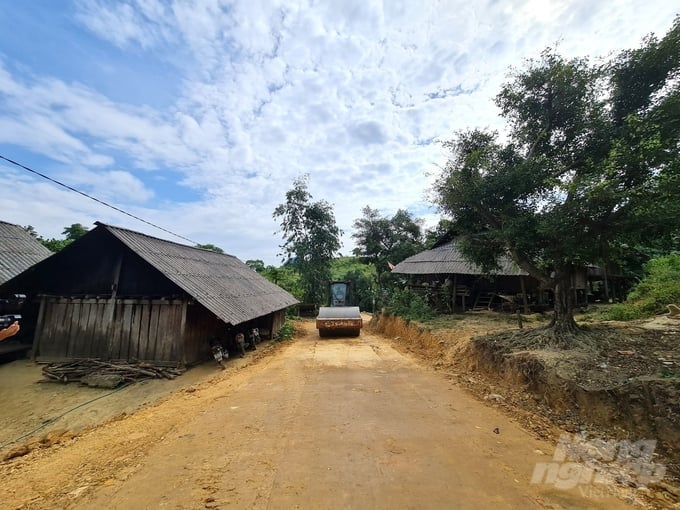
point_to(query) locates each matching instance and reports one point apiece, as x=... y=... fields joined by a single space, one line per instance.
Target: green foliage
x=589 y=167
x=362 y=289
x=360 y=278
x=340 y=266
x=210 y=247
x=286 y=332
x=75 y=231
x=382 y=241
x=54 y=245
x=285 y=277
x=31 y=231
x=623 y=312
x=443 y=230
x=659 y=288
x=256 y=265
x=311 y=239
x=409 y=305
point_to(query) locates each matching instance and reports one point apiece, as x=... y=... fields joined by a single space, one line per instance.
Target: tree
x=210 y=247
x=75 y=231
x=311 y=238
x=286 y=278
x=31 y=231
x=442 y=231
x=54 y=245
x=382 y=241
x=589 y=167
x=256 y=265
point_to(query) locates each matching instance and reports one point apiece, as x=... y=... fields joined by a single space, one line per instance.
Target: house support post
x=37 y=336
x=111 y=308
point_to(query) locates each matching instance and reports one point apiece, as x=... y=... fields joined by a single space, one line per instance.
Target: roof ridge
x=107 y=226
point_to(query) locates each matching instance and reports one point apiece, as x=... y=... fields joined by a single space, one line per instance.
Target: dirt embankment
x=627 y=389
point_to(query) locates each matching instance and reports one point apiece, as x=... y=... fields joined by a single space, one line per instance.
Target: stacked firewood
x=94 y=372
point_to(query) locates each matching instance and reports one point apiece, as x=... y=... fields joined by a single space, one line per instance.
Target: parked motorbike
x=254 y=337
x=219 y=353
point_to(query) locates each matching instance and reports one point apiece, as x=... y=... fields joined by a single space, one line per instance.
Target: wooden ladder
x=483 y=301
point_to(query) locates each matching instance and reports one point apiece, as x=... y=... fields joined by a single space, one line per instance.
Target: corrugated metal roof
x=18 y=251
x=220 y=282
x=447 y=259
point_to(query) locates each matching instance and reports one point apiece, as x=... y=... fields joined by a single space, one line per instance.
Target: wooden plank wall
x=142 y=329
x=278 y=320
x=201 y=325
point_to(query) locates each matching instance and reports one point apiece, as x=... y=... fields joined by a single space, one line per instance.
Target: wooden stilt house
x=443 y=275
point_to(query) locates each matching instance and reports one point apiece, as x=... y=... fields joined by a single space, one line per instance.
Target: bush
x=659 y=287
x=286 y=332
x=623 y=312
x=409 y=305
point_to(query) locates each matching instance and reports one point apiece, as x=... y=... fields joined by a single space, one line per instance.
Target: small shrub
x=409 y=305
x=659 y=287
x=286 y=332
x=623 y=312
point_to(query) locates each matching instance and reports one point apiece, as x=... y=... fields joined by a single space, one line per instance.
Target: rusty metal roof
x=447 y=259
x=220 y=282
x=19 y=250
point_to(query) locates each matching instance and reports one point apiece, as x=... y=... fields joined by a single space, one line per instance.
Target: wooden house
x=19 y=250
x=444 y=273
x=116 y=294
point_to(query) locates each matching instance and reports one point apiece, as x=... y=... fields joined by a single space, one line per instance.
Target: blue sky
x=198 y=115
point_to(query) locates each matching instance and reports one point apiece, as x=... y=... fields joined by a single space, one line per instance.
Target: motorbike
x=254 y=337
x=219 y=353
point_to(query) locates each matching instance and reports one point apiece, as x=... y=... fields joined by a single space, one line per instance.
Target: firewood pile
x=105 y=374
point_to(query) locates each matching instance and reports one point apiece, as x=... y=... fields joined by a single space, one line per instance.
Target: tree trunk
x=563 y=319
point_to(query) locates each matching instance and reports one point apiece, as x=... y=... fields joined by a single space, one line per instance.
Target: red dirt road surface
x=319 y=423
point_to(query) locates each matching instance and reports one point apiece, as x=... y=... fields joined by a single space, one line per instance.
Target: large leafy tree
x=589 y=166
x=75 y=231
x=311 y=239
x=210 y=247
x=256 y=265
x=382 y=240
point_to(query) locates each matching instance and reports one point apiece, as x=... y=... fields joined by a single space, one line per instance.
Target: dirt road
x=333 y=423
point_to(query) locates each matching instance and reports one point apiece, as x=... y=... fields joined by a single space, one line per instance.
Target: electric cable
x=70 y=188
x=52 y=420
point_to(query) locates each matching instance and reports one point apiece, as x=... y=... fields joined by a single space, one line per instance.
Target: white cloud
x=125 y=24
x=356 y=93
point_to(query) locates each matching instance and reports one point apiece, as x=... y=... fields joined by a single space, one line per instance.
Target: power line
x=95 y=199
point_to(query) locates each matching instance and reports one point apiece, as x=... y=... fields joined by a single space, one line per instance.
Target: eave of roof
x=447 y=259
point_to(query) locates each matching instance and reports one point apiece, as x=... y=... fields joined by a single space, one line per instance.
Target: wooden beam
x=111 y=308
x=38 y=328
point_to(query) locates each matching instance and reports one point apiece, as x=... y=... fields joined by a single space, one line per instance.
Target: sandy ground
x=333 y=423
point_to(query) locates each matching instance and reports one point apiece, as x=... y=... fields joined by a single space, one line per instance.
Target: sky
x=197 y=116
